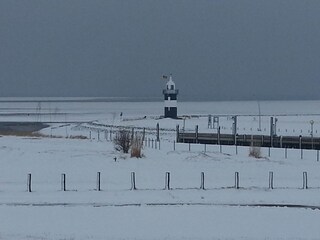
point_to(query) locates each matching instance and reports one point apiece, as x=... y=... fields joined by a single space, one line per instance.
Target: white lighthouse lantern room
x=170 y=99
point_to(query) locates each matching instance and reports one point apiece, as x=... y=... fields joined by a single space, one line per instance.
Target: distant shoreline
x=122 y=99
x=77 y=99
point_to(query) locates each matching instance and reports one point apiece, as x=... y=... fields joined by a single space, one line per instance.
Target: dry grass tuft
x=255 y=152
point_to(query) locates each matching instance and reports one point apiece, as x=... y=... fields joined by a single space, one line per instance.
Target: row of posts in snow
x=109 y=135
x=213 y=123
x=167 y=185
x=236 y=151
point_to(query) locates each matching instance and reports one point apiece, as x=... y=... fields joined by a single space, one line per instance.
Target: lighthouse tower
x=170 y=99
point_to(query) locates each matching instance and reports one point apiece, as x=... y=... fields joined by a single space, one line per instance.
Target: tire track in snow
x=263 y=205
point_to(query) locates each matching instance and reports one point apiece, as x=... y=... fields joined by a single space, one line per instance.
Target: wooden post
x=305 y=180
x=300 y=142
x=133 y=181
x=158 y=132
x=286 y=153
x=189 y=147
x=155 y=144
x=269 y=152
x=143 y=134
x=317 y=155
x=159 y=145
x=132 y=134
x=202 y=181
x=270 y=180
x=235 y=129
x=174 y=145
x=197 y=133
x=301 y=153
x=152 y=143
x=90 y=135
x=98 y=181
x=98 y=135
x=220 y=148
x=236 y=149
x=167 y=181
x=148 y=142
x=106 y=135
x=271 y=131
x=205 y=147
x=63 y=182
x=281 y=141
x=218 y=135
x=29 y=182
x=178 y=132
x=236 y=180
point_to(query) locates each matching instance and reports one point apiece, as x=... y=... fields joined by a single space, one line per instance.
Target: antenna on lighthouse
x=170 y=98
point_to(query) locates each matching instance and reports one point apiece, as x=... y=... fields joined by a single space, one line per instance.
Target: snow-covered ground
x=185 y=212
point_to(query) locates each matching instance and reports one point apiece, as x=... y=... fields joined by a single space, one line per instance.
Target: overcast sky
x=215 y=49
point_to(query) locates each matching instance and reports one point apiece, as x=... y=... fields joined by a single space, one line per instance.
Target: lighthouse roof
x=170 y=84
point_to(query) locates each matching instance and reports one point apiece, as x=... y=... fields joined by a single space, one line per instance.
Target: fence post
x=197 y=133
x=167 y=181
x=220 y=148
x=155 y=144
x=236 y=180
x=90 y=134
x=174 y=145
x=286 y=153
x=300 y=142
x=202 y=181
x=205 y=147
x=301 y=153
x=270 y=180
x=269 y=152
x=98 y=181
x=236 y=149
x=271 y=131
x=63 y=182
x=159 y=145
x=133 y=181
x=158 y=132
x=317 y=155
x=29 y=182
x=98 y=135
x=189 y=147
x=305 y=180
x=106 y=135
x=143 y=134
x=152 y=143
x=178 y=132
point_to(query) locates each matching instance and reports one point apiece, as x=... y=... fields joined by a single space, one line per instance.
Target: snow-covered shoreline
x=150 y=212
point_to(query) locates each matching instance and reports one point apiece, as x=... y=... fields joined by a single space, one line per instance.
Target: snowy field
x=220 y=211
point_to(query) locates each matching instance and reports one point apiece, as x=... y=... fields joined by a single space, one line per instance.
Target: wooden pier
x=299 y=142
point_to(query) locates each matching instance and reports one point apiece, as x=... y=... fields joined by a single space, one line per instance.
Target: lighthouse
x=170 y=99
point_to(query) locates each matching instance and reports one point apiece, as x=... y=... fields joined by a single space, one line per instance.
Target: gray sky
x=215 y=49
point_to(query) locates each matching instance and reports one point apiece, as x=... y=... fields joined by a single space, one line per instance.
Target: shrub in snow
x=122 y=141
x=255 y=152
x=136 y=146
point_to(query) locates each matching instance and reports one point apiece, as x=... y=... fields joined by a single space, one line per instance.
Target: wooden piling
x=133 y=181
x=29 y=182
x=167 y=181
x=63 y=182
x=202 y=181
